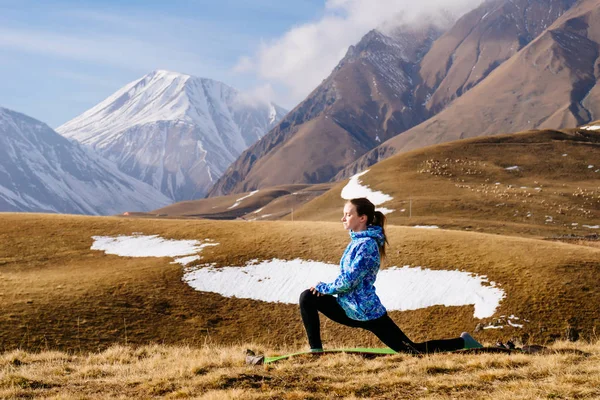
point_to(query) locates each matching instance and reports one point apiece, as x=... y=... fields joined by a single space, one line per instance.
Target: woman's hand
x=315 y=292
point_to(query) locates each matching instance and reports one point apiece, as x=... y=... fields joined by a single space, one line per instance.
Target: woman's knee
x=306 y=297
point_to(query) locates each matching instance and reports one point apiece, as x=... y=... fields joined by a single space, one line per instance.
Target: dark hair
x=365 y=207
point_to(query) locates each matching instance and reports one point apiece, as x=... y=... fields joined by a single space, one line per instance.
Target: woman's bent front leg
x=310 y=305
x=310 y=317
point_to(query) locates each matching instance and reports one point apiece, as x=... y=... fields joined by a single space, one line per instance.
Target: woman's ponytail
x=379 y=219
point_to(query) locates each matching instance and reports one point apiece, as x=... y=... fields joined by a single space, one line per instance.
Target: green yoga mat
x=356 y=350
x=374 y=352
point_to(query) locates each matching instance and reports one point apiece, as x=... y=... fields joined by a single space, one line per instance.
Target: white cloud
x=262 y=94
x=305 y=55
x=244 y=64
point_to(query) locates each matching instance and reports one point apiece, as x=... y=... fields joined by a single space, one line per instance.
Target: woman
x=357 y=305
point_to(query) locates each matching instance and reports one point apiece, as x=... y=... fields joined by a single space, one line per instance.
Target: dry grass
x=219 y=373
x=129 y=327
x=583 y=242
x=56 y=293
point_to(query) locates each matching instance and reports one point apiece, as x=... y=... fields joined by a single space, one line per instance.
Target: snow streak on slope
x=41 y=171
x=355 y=189
x=176 y=132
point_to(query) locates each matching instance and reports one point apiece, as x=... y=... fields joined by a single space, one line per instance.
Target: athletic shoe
x=470 y=342
x=253 y=359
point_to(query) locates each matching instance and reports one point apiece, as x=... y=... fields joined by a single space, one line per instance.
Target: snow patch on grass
x=406 y=288
x=151 y=246
x=282 y=281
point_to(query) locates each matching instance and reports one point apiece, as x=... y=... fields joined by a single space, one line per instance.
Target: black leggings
x=384 y=327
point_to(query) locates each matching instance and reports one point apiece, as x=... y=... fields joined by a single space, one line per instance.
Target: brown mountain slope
x=366 y=100
x=537 y=183
x=384 y=86
x=269 y=203
x=479 y=42
x=551 y=83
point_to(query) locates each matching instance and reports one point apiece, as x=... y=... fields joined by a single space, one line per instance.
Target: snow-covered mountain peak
x=163 y=73
x=159 y=96
x=166 y=125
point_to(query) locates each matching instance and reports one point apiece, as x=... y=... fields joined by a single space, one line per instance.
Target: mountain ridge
x=363 y=88
x=41 y=171
x=516 y=95
x=173 y=131
x=448 y=66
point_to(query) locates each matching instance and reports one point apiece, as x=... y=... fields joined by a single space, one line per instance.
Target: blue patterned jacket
x=355 y=285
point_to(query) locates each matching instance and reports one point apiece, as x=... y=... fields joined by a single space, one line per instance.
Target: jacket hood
x=373 y=231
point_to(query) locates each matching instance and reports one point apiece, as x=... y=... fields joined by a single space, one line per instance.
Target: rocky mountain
x=442 y=70
x=549 y=83
x=41 y=171
x=367 y=99
x=478 y=43
x=173 y=131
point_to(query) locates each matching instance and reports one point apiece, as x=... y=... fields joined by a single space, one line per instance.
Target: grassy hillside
x=56 y=293
x=537 y=183
x=219 y=373
x=266 y=204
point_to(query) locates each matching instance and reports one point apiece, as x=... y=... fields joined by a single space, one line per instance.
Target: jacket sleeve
x=354 y=273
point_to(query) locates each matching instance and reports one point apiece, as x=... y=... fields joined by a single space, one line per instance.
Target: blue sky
x=60 y=58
